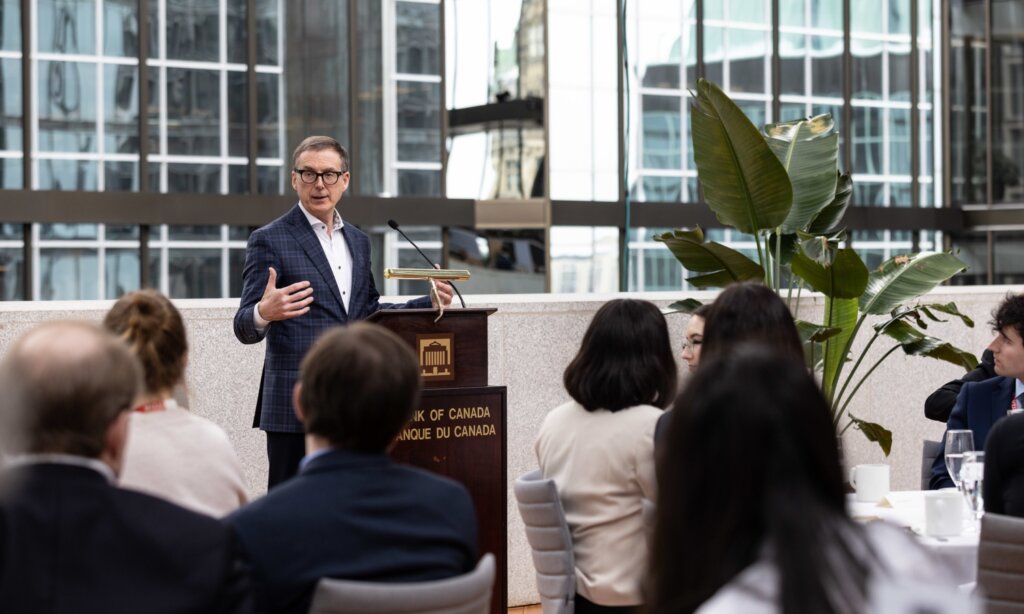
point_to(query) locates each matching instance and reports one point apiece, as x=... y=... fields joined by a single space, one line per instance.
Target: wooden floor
x=529 y=609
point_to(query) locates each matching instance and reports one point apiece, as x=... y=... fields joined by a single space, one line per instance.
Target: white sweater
x=603 y=465
x=188 y=460
x=903 y=561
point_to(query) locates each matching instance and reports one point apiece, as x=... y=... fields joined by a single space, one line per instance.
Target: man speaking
x=305 y=272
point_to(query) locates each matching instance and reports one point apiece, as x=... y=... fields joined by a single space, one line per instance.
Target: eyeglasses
x=309 y=176
x=691 y=345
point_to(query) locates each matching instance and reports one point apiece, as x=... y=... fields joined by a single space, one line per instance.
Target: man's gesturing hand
x=284 y=303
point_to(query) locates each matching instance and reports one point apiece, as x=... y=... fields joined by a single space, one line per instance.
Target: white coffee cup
x=943 y=513
x=870 y=481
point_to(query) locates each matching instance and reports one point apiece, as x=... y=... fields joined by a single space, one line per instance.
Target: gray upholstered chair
x=466 y=594
x=1001 y=563
x=550 y=541
x=929 y=450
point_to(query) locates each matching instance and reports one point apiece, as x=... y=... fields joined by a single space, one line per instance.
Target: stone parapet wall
x=531 y=340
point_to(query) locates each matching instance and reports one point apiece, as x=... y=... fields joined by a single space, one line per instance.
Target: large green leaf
x=846 y=277
x=820 y=248
x=830 y=218
x=809 y=331
x=904 y=278
x=687 y=305
x=916 y=343
x=719 y=265
x=809 y=150
x=875 y=432
x=840 y=313
x=744 y=183
x=948 y=309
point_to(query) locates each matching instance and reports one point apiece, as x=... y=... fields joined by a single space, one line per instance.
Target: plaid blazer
x=290 y=245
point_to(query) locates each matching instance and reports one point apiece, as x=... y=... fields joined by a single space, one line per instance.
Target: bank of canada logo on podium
x=436 y=359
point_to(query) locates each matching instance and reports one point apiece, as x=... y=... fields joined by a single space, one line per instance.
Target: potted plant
x=781 y=185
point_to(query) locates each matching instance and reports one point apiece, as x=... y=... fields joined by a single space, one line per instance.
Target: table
x=906 y=509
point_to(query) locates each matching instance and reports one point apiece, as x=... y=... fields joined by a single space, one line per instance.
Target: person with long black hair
x=752 y=514
x=599 y=449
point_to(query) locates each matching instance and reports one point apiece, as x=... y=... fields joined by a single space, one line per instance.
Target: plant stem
x=760 y=257
x=842 y=410
x=846 y=428
x=832 y=398
x=856 y=365
x=778 y=259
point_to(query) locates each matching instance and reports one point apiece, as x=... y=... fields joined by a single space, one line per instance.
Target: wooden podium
x=458 y=429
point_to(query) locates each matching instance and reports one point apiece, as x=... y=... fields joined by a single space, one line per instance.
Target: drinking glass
x=957 y=442
x=972 y=473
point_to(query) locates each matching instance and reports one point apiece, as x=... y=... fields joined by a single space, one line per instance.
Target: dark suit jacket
x=939 y=404
x=291 y=247
x=355 y=516
x=1004 y=467
x=978 y=407
x=70 y=542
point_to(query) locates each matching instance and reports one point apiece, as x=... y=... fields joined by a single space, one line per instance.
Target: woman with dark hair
x=762 y=526
x=171 y=453
x=749 y=312
x=599 y=449
x=745 y=312
x=693 y=339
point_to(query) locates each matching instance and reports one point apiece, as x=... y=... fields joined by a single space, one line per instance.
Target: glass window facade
x=202 y=102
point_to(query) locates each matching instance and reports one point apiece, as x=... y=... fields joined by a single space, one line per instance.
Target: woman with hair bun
x=171 y=453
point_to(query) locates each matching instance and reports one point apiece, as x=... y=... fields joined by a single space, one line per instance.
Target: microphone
x=394 y=226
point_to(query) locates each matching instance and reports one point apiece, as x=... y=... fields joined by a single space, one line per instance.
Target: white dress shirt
x=338 y=257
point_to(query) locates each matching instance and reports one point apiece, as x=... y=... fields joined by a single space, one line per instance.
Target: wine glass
x=957 y=442
x=972 y=473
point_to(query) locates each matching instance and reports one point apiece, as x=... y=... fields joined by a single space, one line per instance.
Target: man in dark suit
x=352 y=512
x=305 y=272
x=981 y=404
x=940 y=403
x=70 y=540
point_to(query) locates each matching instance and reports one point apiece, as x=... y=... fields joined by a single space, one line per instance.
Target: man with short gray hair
x=70 y=540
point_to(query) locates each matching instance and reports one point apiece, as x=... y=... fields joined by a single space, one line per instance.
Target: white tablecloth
x=906 y=509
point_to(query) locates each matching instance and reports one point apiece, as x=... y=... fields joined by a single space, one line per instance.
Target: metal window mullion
x=165 y=267
x=34 y=243
x=353 y=92
x=623 y=168
x=443 y=145
x=225 y=258
x=989 y=199
x=222 y=78
x=946 y=119
x=101 y=183
x=101 y=262
x=251 y=98
x=915 y=115
x=776 y=64
x=389 y=103
x=143 y=127
x=32 y=134
x=28 y=252
x=847 y=87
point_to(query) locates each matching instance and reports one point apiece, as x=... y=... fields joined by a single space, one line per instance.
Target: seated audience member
x=1004 y=467
x=599 y=448
x=752 y=512
x=352 y=512
x=694 y=337
x=70 y=540
x=744 y=312
x=981 y=404
x=939 y=404
x=171 y=452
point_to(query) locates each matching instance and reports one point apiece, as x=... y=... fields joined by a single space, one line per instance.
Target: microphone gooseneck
x=394 y=226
